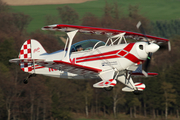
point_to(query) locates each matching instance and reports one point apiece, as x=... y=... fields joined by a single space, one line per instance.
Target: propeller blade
x=144 y=73
x=148 y=60
x=169 y=46
x=140 y=27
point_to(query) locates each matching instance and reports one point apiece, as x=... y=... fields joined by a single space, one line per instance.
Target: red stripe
x=79 y=66
x=141 y=88
x=111 y=80
x=149 y=74
x=113 y=84
x=101 y=84
x=122 y=53
x=99 y=58
x=129 y=47
x=39 y=67
x=152 y=74
x=132 y=58
x=106 y=83
x=112 y=54
x=138 y=84
x=98 y=55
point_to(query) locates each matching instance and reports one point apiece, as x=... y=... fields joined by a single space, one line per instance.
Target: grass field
x=152 y=9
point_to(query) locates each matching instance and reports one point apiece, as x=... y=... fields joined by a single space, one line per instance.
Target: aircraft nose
x=152 y=48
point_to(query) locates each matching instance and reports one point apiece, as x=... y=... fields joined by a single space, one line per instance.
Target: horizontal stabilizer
x=28 y=65
x=139 y=86
x=103 y=84
x=28 y=60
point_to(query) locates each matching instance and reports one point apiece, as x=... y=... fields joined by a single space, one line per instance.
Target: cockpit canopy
x=87 y=45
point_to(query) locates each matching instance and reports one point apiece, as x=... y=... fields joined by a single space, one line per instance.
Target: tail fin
x=31 y=49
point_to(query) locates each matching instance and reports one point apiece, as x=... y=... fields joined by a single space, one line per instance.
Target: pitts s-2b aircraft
x=115 y=60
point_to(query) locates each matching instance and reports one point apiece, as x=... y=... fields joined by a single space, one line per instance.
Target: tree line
x=62 y=99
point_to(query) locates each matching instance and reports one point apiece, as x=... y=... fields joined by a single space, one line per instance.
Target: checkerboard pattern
x=25 y=53
x=25 y=50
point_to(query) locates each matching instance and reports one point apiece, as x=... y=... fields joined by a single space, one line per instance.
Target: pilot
x=79 y=48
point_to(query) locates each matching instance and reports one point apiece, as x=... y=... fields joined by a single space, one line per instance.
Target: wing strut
x=69 y=39
x=117 y=39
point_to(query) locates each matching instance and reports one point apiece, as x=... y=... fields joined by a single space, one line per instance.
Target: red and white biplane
x=115 y=60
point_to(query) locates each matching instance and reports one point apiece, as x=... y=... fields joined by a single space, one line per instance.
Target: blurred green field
x=152 y=9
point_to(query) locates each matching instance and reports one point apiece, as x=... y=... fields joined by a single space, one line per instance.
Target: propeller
x=162 y=45
x=148 y=60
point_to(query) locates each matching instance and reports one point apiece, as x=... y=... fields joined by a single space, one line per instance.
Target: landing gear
x=108 y=88
x=25 y=81
x=137 y=92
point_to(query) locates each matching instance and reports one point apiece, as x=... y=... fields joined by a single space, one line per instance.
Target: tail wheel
x=25 y=81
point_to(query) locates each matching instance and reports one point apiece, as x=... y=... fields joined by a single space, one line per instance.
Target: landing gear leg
x=25 y=81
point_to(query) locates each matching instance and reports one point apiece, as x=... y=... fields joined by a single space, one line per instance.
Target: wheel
x=137 y=92
x=108 y=88
x=25 y=81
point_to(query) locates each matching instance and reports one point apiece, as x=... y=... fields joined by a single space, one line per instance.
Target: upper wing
x=70 y=67
x=102 y=31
